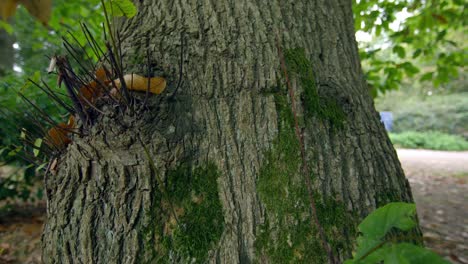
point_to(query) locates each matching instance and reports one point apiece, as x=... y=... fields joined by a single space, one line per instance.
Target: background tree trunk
x=225 y=146
x=6 y=52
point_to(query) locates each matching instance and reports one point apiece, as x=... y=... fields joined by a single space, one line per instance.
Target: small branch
x=115 y=66
x=64 y=73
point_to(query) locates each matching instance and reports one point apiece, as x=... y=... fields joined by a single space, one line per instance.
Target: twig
x=115 y=66
x=64 y=72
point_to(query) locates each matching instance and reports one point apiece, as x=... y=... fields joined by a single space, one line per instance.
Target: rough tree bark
x=224 y=146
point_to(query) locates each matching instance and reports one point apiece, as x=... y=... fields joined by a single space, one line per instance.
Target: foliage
x=429 y=140
x=20 y=184
x=379 y=242
x=118 y=8
x=429 y=36
x=34 y=44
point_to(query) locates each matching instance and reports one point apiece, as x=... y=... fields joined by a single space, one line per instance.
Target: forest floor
x=440 y=188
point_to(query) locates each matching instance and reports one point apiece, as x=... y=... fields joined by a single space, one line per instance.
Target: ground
x=439 y=183
x=440 y=189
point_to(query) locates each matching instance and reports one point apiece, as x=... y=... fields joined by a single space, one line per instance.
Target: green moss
x=193 y=196
x=288 y=235
x=336 y=221
x=324 y=108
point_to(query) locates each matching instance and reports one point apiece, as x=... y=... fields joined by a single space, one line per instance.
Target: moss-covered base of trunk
x=189 y=222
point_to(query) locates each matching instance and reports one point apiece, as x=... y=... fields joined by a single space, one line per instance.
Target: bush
x=441 y=112
x=429 y=140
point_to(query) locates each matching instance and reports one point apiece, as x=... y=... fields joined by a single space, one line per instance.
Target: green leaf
x=402 y=253
x=442 y=75
x=372 y=248
x=441 y=35
x=119 y=8
x=379 y=222
x=37 y=145
x=40 y=167
x=23 y=133
x=15 y=151
x=409 y=68
x=417 y=53
x=7 y=27
x=409 y=253
x=426 y=77
x=376 y=225
x=400 y=51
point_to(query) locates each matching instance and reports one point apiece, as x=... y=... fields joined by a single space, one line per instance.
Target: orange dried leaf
x=135 y=82
x=94 y=89
x=89 y=92
x=58 y=136
x=71 y=122
x=101 y=75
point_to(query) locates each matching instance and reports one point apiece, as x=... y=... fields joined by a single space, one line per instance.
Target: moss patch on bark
x=325 y=108
x=192 y=222
x=288 y=236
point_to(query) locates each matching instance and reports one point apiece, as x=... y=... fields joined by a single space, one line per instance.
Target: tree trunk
x=6 y=52
x=227 y=185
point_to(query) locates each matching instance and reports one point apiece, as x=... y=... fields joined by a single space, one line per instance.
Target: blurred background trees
x=25 y=48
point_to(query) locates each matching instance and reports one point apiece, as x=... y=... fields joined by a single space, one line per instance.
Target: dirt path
x=437 y=163
x=439 y=183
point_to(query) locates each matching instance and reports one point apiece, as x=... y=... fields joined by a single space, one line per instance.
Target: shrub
x=429 y=140
x=439 y=112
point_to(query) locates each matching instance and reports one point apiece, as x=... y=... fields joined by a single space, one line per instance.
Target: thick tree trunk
x=225 y=147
